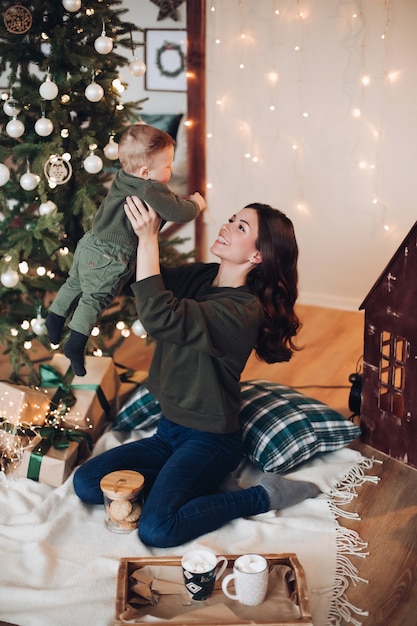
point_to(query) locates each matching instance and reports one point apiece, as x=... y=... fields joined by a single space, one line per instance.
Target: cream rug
x=59 y=563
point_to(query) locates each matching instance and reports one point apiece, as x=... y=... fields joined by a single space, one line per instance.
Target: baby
x=105 y=257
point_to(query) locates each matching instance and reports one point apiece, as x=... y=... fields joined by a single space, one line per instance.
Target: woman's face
x=236 y=240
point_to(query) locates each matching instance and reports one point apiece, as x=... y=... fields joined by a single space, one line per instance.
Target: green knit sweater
x=111 y=224
x=204 y=336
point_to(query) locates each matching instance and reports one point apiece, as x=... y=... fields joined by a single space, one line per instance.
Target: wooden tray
x=297 y=588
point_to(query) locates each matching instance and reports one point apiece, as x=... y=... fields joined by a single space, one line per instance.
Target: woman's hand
x=145 y=223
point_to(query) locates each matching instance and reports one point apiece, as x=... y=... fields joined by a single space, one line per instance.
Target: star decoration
x=167 y=8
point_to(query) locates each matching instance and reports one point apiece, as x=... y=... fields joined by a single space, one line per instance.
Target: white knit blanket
x=59 y=563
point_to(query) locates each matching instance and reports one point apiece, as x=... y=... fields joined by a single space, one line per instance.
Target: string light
x=362 y=85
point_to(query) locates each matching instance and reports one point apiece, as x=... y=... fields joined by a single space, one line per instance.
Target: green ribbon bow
x=51 y=378
x=59 y=439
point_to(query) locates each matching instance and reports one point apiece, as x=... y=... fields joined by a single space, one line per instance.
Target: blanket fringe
x=348 y=544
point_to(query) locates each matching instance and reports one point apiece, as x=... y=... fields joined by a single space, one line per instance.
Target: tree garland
x=170 y=46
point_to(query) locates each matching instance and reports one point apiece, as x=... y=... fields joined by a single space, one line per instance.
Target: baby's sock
x=74 y=350
x=54 y=324
x=283 y=492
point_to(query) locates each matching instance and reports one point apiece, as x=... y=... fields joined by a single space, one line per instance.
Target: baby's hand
x=197 y=197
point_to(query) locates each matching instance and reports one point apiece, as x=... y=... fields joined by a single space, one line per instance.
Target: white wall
x=144 y=14
x=309 y=166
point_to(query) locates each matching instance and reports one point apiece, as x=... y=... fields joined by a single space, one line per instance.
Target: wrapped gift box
x=46 y=464
x=95 y=393
x=20 y=404
x=129 y=381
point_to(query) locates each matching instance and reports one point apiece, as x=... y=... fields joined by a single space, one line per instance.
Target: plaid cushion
x=141 y=410
x=281 y=427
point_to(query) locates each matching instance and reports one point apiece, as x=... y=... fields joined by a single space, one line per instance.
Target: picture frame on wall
x=165 y=59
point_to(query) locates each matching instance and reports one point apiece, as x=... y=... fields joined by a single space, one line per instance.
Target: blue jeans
x=183 y=468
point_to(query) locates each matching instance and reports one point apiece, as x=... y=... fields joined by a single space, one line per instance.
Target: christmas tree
x=60 y=118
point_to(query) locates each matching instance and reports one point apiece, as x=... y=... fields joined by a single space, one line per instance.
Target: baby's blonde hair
x=139 y=144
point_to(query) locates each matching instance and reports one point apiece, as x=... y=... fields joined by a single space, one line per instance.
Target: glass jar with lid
x=123 y=500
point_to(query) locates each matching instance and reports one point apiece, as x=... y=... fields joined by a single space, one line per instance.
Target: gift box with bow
x=83 y=403
x=52 y=456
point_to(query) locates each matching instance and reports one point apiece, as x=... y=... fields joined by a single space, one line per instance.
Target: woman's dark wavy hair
x=275 y=282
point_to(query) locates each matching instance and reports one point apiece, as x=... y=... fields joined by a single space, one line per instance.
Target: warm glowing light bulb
x=386 y=227
x=25 y=325
x=27 y=345
x=95 y=331
x=365 y=80
x=120 y=325
x=217 y=41
x=273 y=76
x=41 y=271
x=356 y=113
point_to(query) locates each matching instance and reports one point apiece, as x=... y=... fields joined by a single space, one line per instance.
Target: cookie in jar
x=123 y=500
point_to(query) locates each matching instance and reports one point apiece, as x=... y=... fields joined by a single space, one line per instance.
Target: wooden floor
x=333 y=343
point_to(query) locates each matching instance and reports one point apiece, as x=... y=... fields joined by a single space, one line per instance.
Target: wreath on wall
x=169 y=46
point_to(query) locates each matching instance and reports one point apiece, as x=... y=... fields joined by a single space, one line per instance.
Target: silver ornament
x=93 y=164
x=29 y=181
x=48 y=89
x=4 y=174
x=9 y=278
x=94 y=92
x=44 y=127
x=103 y=44
x=137 y=68
x=11 y=107
x=15 y=128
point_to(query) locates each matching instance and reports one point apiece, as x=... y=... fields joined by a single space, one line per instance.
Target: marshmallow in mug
x=250 y=563
x=196 y=562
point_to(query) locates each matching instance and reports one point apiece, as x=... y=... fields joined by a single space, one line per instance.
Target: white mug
x=250 y=575
x=201 y=568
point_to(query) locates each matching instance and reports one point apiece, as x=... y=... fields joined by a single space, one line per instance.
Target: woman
x=205 y=320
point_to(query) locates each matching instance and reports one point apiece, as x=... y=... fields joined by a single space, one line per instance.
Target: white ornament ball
x=137 y=68
x=48 y=208
x=9 y=278
x=94 y=92
x=103 y=44
x=4 y=174
x=38 y=325
x=138 y=329
x=29 y=181
x=48 y=90
x=44 y=127
x=71 y=5
x=15 y=128
x=11 y=107
x=93 y=164
x=111 y=150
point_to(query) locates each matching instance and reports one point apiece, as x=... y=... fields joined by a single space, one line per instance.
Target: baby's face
x=161 y=167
